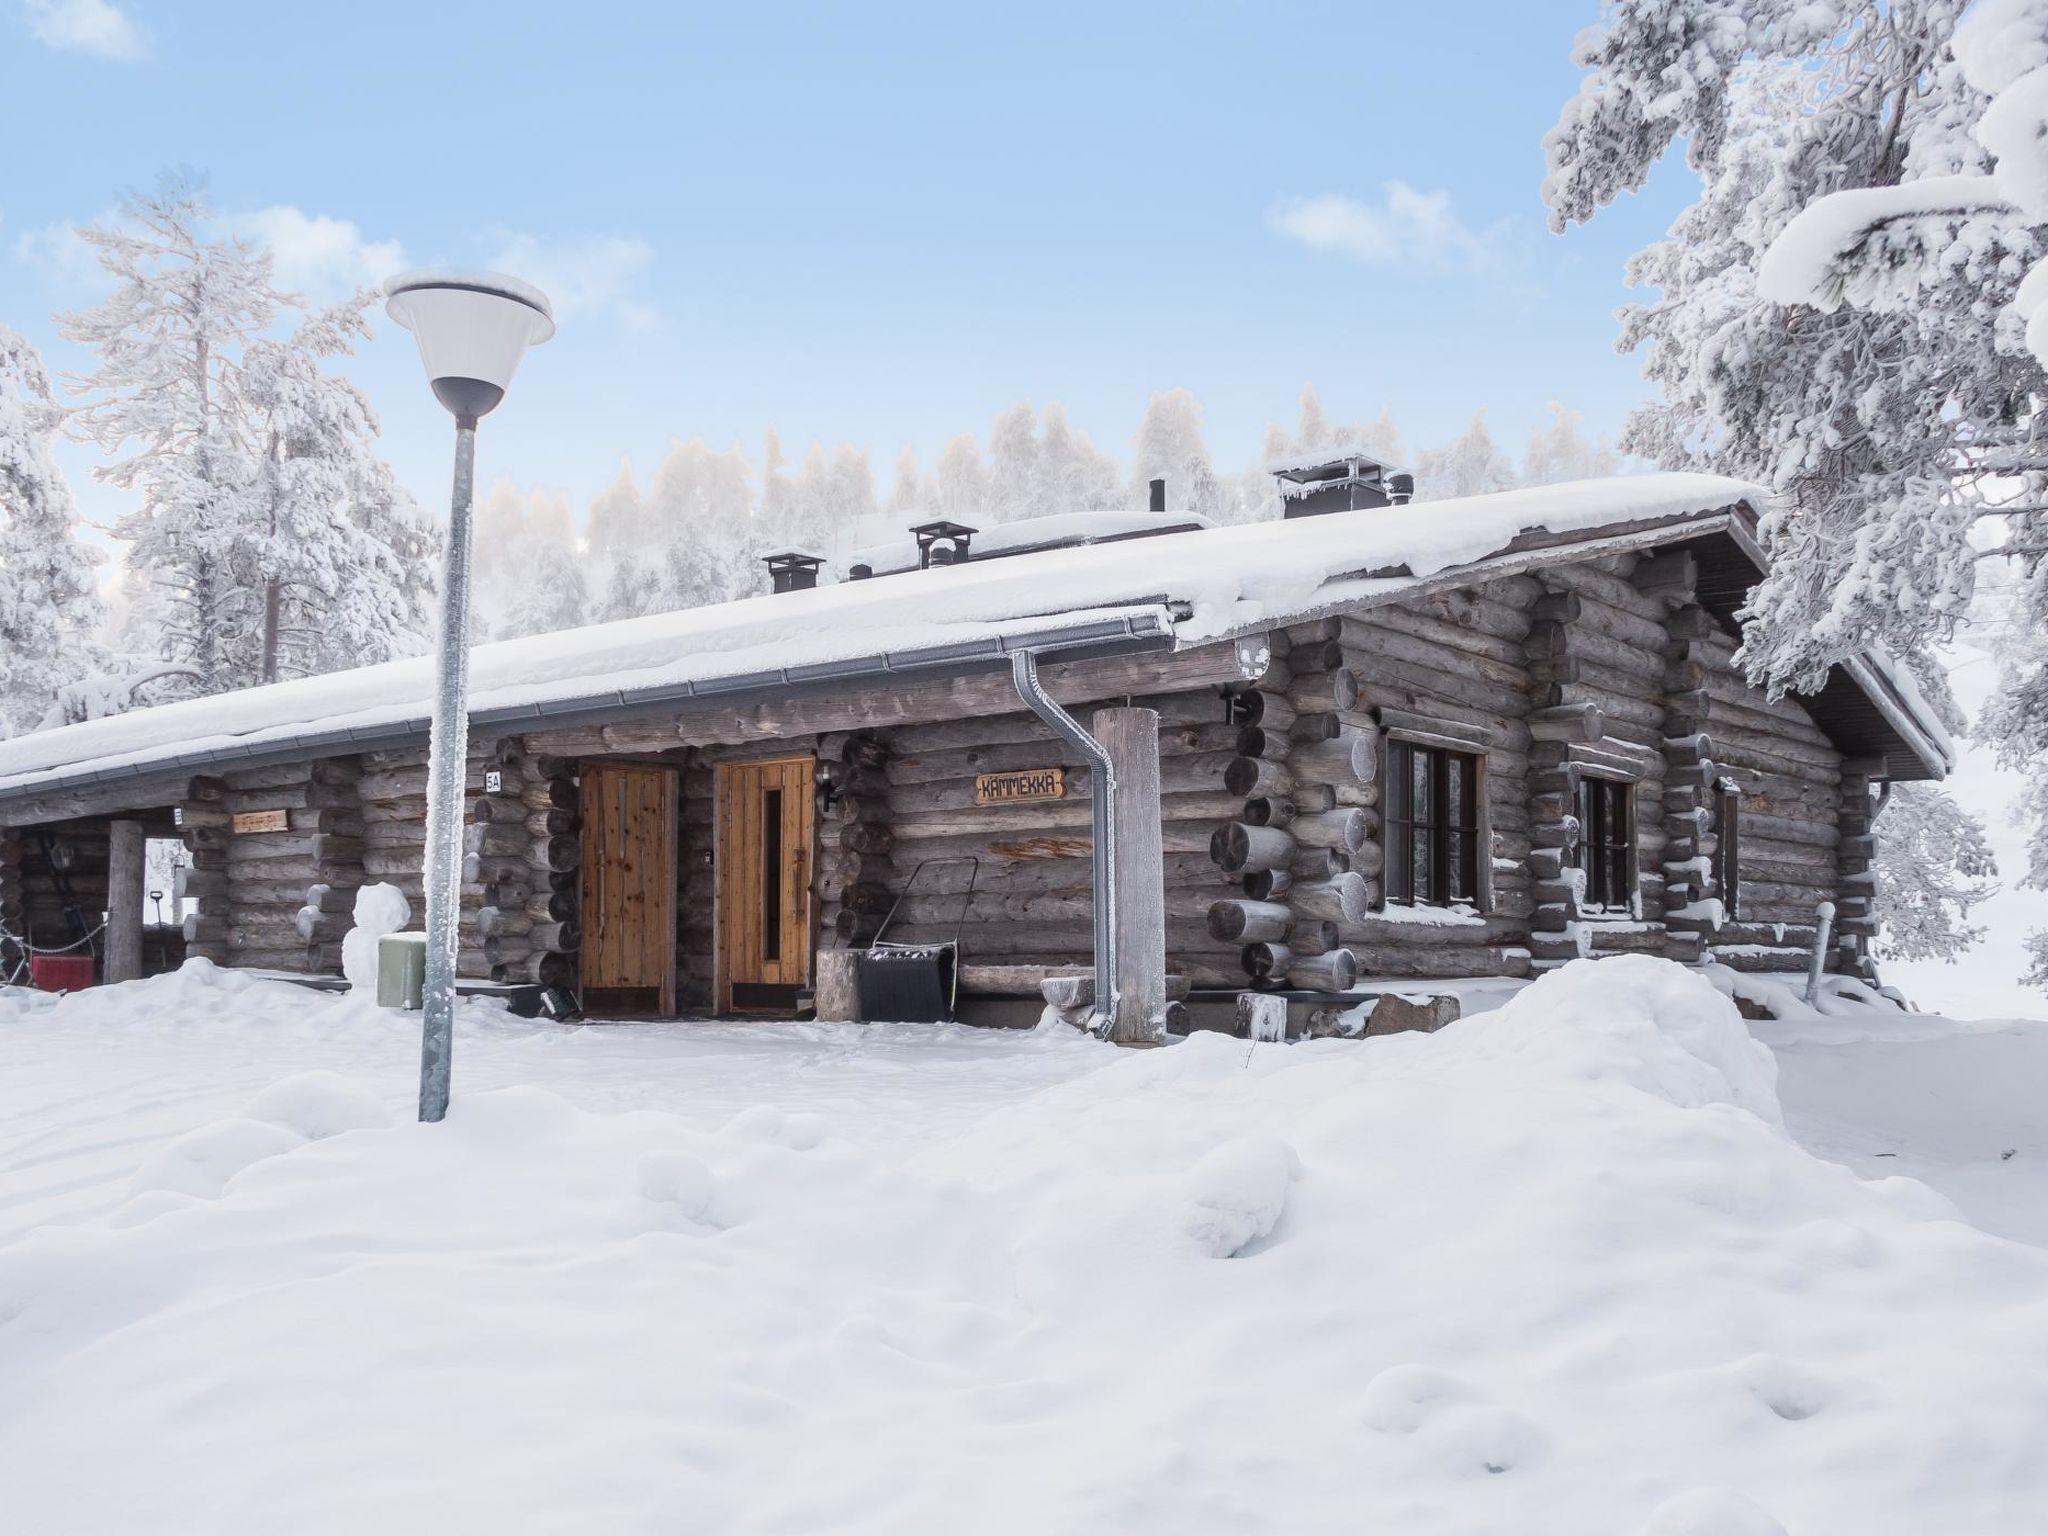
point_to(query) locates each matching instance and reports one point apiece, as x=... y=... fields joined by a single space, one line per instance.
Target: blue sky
x=878 y=223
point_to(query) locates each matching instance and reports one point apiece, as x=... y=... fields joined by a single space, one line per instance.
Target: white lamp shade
x=470 y=325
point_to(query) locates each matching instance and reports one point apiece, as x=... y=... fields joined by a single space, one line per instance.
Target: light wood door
x=765 y=827
x=629 y=888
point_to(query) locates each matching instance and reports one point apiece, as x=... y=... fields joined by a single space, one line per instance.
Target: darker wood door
x=765 y=828
x=629 y=888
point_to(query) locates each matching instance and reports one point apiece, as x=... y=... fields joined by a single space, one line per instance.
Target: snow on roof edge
x=1230 y=580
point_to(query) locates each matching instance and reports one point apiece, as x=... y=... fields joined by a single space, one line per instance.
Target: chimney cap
x=942 y=540
x=793 y=570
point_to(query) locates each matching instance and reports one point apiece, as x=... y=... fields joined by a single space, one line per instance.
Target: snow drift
x=1553 y=1269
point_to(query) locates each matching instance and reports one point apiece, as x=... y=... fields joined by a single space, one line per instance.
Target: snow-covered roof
x=1304 y=460
x=1176 y=588
x=1029 y=534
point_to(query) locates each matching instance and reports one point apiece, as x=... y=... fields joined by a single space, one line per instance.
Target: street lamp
x=472 y=329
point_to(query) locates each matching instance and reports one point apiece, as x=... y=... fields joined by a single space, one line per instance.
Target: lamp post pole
x=472 y=329
x=447 y=777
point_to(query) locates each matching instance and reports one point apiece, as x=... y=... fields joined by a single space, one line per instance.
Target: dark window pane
x=771 y=875
x=1423 y=801
x=1421 y=864
x=1397 y=781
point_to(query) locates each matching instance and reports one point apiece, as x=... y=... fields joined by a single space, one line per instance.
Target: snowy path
x=82 y=1108
x=1964 y=1109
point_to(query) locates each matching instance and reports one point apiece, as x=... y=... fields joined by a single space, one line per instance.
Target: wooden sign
x=262 y=821
x=1020 y=784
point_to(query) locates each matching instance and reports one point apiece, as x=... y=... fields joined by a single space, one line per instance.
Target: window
x=1432 y=825
x=1607 y=842
x=1728 y=848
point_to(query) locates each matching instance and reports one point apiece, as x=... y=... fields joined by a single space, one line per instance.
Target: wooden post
x=125 y=881
x=1131 y=738
x=837 y=988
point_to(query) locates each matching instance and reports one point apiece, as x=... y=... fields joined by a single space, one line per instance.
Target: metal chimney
x=792 y=570
x=1158 y=495
x=1401 y=488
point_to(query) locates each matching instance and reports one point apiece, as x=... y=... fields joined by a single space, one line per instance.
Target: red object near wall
x=60 y=973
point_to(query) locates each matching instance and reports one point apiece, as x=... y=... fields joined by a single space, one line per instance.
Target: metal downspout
x=1102 y=796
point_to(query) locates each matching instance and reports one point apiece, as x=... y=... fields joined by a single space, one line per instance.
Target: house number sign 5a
x=1020 y=784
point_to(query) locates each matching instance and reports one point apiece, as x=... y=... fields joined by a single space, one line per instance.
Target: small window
x=1607 y=843
x=1432 y=825
x=1728 y=848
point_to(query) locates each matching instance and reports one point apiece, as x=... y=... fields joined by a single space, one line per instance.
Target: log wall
x=1792 y=819
x=1031 y=911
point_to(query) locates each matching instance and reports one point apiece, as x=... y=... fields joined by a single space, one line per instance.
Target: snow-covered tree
x=1561 y=452
x=1015 y=481
x=1843 y=314
x=334 y=558
x=1073 y=474
x=703 y=536
x=907 y=490
x=1468 y=465
x=1933 y=866
x=49 y=609
x=1169 y=446
x=1254 y=496
x=615 y=522
x=529 y=569
x=1382 y=439
x=166 y=403
x=961 y=483
x=270 y=540
x=1314 y=429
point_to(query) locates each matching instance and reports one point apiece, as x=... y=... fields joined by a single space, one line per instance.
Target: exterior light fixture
x=472 y=329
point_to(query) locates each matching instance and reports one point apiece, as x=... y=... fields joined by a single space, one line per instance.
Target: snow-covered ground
x=1562 y=1267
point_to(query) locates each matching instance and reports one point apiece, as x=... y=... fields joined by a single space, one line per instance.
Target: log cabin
x=1376 y=743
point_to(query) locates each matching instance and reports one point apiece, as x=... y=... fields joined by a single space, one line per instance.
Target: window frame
x=1454 y=822
x=1599 y=850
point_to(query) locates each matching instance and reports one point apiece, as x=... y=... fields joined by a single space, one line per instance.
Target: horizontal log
x=1246 y=921
x=1238 y=847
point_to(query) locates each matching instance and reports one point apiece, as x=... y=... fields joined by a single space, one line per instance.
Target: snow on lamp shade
x=472 y=329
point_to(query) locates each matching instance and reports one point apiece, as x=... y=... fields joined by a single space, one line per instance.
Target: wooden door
x=629 y=888
x=765 y=814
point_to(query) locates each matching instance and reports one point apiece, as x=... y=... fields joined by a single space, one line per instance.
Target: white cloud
x=600 y=275
x=61 y=257
x=1406 y=227
x=97 y=27
x=322 y=258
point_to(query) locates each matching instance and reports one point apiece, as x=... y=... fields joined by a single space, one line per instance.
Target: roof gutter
x=1136 y=629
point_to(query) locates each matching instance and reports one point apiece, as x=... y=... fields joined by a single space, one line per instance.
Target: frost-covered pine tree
x=1169 y=446
x=1254 y=496
x=50 y=611
x=535 y=582
x=1468 y=465
x=166 y=404
x=1073 y=474
x=1843 y=313
x=1014 y=476
x=961 y=483
x=1382 y=439
x=907 y=491
x=1561 y=451
x=702 y=535
x=335 y=561
x=1933 y=866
